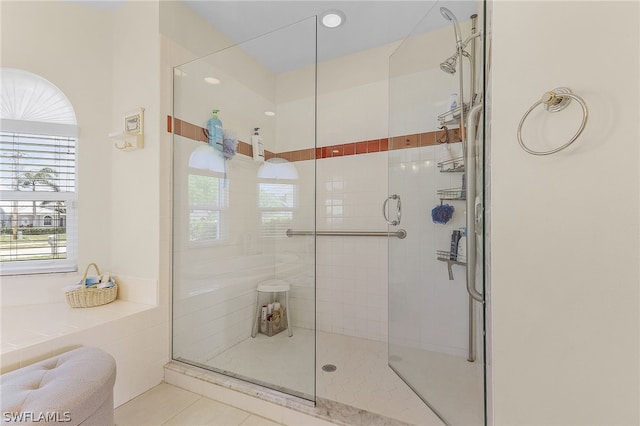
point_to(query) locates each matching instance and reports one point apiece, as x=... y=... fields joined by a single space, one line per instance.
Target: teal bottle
x=214 y=126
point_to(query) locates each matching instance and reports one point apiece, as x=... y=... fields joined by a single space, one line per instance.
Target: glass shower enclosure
x=436 y=303
x=236 y=191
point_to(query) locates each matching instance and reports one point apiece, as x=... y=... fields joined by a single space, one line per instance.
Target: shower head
x=449 y=66
x=449 y=16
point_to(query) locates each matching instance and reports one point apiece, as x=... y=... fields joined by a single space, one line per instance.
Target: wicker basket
x=90 y=297
x=276 y=324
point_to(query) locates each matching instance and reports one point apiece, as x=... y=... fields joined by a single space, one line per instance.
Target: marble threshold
x=332 y=412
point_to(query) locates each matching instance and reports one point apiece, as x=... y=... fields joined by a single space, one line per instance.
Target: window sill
x=38 y=267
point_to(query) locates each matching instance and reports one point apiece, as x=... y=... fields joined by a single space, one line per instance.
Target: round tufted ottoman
x=74 y=388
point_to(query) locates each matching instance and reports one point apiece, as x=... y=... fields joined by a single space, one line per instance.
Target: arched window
x=38 y=133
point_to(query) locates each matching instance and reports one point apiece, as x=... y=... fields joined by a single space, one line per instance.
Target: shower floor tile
x=362 y=378
x=280 y=360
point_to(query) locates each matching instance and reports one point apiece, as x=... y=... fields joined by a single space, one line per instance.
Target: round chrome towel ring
x=555 y=101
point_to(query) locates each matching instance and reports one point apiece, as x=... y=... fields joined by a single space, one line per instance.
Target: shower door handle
x=398 y=209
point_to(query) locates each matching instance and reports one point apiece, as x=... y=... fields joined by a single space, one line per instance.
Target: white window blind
x=276 y=202
x=37 y=202
x=38 y=131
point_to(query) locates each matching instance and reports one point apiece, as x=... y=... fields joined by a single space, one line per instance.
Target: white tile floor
x=280 y=360
x=362 y=379
x=169 y=405
x=451 y=384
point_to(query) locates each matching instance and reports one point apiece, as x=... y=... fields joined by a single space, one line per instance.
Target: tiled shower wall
x=351 y=185
x=352 y=272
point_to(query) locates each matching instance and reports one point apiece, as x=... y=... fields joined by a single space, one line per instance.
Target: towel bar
x=401 y=234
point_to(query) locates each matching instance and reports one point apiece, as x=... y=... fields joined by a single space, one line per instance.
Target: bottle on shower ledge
x=453 y=101
x=257 y=145
x=214 y=127
x=462 y=245
x=455 y=239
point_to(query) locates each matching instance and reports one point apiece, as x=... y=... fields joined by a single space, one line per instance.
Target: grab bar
x=470 y=168
x=401 y=234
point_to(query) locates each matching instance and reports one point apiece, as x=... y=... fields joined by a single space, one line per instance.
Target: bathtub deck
x=35 y=331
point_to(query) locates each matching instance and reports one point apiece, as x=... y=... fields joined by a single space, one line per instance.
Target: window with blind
x=206 y=201
x=277 y=202
x=38 y=196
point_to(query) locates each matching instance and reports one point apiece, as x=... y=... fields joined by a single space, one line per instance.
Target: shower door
x=232 y=207
x=436 y=334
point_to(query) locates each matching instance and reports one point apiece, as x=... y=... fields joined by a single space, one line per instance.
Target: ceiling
x=368 y=24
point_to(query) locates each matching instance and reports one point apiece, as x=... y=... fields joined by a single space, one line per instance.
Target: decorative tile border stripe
x=298 y=155
x=191 y=131
x=188 y=130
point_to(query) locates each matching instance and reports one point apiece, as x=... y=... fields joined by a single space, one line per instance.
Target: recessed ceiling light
x=333 y=18
x=269 y=113
x=212 y=80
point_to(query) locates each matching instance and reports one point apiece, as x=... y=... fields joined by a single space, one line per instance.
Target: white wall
x=135 y=78
x=565 y=239
x=71 y=46
x=106 y=62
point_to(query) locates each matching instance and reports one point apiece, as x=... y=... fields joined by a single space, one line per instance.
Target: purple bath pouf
x=442 y=213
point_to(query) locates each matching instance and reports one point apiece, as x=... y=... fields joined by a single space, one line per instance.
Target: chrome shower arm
x=471 y=37
x=463 y=132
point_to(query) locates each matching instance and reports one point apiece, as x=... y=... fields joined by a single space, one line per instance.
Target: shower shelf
x=451 y=117
x=452 y=166
x=452 y=194
x=445 y=256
